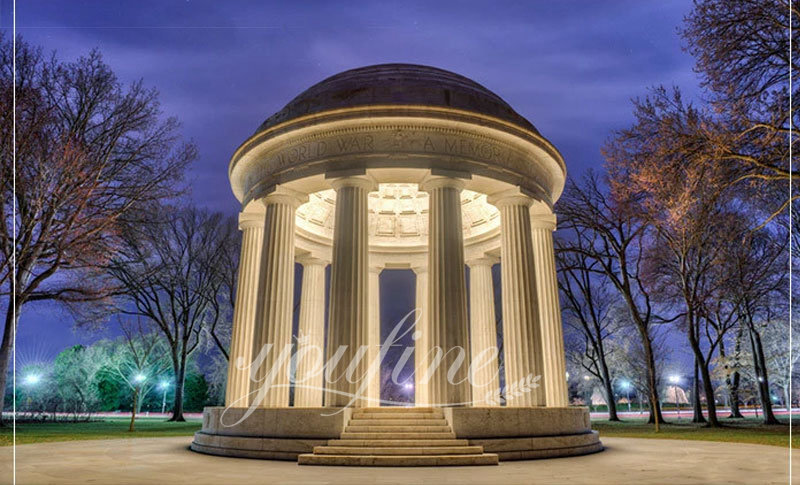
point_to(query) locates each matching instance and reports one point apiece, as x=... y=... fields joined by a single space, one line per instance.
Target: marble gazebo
x=387 y=167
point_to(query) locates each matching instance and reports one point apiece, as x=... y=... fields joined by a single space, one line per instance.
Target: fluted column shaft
x=309 y=377
x=521 y=329
x=422 y=343
x=374 y=335
x=483 y=333
x=273 y=330
x=447 y=297
x=244 y=311
x=349 y=298
x=555 y=369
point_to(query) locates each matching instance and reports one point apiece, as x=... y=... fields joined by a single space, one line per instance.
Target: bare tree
x=742 y=52
x=605 y=231
x=690 y=206
x=88 y=150
x=587 y=309
x=171 y=274
x=221 y=298
x=756 y=284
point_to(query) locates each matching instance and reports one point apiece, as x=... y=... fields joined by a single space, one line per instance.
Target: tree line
x=688 y=226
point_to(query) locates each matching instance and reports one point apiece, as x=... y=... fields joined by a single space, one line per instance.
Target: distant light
x=163 y=384
x=586 y=378
x=32 y=379
x=567 y=375
x=674 y=379
x=625 y=384
x=139 y=378
x=408 y=386
x=760 y=379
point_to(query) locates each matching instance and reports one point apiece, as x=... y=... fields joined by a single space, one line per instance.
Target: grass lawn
x=105 y=428
x=747 y=430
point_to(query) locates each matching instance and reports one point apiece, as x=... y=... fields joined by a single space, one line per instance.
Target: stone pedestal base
x=284 y=433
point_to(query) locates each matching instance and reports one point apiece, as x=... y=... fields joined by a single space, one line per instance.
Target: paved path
x=168 y=460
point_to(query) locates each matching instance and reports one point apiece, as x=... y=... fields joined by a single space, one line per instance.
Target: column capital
x=376 y=269
x=543 y=221
x=362 y=181
x=483 y=261
x=509 y=197
x=431 y=182
x=419 y=269
x=308 y=260
x=542 y=217
x=249 y=220
x=286 y=196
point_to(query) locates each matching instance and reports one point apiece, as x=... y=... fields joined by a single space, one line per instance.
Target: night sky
x=222 y=67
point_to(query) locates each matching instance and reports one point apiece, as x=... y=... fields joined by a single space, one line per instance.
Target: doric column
x=421 y=345
x=555 y=371
x=348 y=311
x=272 y=336
x=374 y=335
x=309 y=377
x=483 y=333
x=447 y=296
x=521 y=330
x=244 y=311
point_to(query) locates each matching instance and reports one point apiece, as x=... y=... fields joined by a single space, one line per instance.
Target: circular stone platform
x=286 y=433
x=626 y=460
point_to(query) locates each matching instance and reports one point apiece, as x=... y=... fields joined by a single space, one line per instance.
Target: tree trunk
x=6 y=349
x=732 y=379
x=700 y=359
x=180 y=377
x=734 y=390
x=762 y=377
x=652 y=395
x=612 y=404
x=697 y=406
x=133 y=408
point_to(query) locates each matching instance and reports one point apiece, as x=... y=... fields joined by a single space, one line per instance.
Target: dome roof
x=397 y=84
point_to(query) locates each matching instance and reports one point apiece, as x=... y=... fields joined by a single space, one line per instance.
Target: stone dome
x=397 y=84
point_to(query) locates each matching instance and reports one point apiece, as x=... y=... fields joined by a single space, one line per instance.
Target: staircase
x=395 y=436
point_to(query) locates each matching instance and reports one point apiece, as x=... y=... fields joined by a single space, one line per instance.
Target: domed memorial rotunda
x=386 y=167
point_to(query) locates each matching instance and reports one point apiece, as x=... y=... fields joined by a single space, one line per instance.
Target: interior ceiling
x=398 y=214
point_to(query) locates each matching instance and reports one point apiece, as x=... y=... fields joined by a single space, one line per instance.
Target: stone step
x=398 y=460
x=396 y=409
x=360 y=415
x=398 y=422
x=396 y=429
x=397 y=435
x=401 y=450
x=418 y=443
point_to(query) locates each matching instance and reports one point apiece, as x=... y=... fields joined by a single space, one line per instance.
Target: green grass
x=107 y=428
x=748 y=430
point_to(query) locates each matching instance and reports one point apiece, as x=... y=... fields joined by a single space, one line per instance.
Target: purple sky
x=222 y=67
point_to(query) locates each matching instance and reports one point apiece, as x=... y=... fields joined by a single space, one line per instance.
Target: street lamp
x=674 y=379
x=627 y=386
x=32 y=379
x=164 y=385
